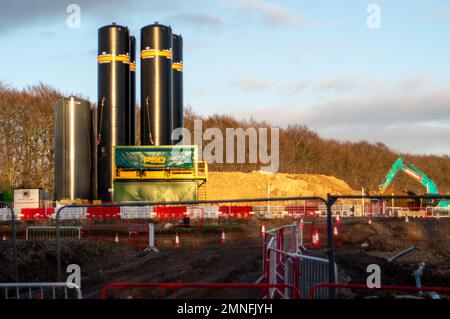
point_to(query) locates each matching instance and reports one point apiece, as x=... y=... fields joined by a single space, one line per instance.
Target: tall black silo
x=73 y=149
x=132 y=107
x=177 y=70
x=113 y=101
x=156 y=84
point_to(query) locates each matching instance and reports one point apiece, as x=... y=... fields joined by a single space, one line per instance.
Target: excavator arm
x=402 y=165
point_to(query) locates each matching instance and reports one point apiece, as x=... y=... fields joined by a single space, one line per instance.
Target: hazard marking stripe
x=132 y=66
x=111 y=58
x=146 y=54
x=413 y=174
x=178 y=66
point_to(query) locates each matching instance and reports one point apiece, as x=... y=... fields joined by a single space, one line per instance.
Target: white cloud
x=406 y=120
x=294 y=88
x=413 y=82
x=249 y=84
x=267 y=12
x=441 y=11
x=26 y=13
x=197 y=20
x=408 y=138
x=347 y=83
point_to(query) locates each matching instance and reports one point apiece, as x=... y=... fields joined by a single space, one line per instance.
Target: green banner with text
x=155 y=157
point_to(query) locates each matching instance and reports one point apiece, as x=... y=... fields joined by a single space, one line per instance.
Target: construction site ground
x=203 y=258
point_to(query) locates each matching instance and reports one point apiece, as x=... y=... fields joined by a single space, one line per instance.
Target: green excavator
x=402 y=165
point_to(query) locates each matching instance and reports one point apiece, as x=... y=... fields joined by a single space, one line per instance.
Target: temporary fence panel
x=312 y=271
x=49 y=232
x=282 y=263
x=39 y=290
x=280 y=243
x=438 y=212
x=123 y=231
x=302 y=211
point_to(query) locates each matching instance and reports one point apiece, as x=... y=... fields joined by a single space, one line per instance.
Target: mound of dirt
x=234 y=185
x=37 y=259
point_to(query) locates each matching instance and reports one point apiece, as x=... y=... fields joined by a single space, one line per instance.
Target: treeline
x=26 y=136
x=27 y=139
x=360 y=164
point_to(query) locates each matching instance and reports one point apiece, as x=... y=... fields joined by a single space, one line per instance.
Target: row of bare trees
x=27 y=139
x=26 y=136
x=360 y=164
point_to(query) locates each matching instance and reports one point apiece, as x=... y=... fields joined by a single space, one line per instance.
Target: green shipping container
x=155 y=157
x=136 y=191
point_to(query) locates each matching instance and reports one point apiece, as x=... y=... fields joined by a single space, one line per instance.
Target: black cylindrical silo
x=156 y=85
x=132 y=125
x=73 y=149
x=177 y=69
x=113 y=101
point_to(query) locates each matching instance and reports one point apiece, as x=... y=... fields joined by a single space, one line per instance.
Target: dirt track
x=232 y=262
x=201 y=258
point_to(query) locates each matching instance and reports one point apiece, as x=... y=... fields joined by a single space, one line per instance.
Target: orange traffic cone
x=263 y=230
x=222 y=238
x=406 y=219
x=177 y=241
x=315 y=238
x=116 y=239
x=370 y=221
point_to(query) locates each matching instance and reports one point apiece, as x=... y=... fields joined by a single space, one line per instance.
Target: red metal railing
x=177 y=285
x=363 y=286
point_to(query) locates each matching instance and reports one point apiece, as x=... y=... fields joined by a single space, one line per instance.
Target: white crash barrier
x=136 y=212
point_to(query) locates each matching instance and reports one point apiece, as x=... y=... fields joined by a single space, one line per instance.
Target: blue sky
x=284 y=61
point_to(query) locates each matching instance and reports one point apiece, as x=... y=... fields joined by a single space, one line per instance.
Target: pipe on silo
x=113 y=101
x=132 y=107
x=156 y=85
x=177 y=70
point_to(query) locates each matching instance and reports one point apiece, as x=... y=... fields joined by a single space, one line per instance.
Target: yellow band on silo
x=148 y=54
x=106 y=58
x=178 y=66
